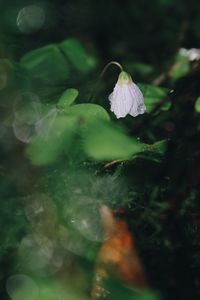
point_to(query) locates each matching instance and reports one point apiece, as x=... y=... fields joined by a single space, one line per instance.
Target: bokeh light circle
x=27 y=107
x=21 y=287
x=84 y=216
x=30 y=18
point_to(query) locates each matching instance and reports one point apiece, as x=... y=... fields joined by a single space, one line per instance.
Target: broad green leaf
x=105 y=141
x=77 y=55
x=54 y=139
x=87 y=112
x=153 y=95
x=46 y=63
x=67 y=98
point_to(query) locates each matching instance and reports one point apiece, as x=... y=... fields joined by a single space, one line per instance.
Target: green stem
x=108 y=65
x=101 y=75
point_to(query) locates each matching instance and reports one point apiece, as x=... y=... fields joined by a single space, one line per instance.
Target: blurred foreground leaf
x=56 y=132
x=55 y=138
x=106 y=141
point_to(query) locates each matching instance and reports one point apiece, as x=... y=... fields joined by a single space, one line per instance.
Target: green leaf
x=158 y=147
x=197 y=105
x=52 y=141
x=153 y=95
x=181 y=67
x=67 y=98
x=87 y=112
x=105 y=141
x=56 y=132
x=46 y=63
x=153 y=152
x=77 y=55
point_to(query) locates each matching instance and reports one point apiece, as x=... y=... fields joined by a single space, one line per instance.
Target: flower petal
x=121 y=100
x=138 y=106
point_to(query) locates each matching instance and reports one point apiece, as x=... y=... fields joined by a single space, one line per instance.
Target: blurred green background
x=64 y=154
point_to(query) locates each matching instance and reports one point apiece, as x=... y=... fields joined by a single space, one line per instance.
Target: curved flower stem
x=108 y=65
x=101 y=75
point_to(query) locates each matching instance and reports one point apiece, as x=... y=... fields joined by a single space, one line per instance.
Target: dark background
x=163 y=186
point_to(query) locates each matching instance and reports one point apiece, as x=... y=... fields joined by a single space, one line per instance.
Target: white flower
x=126 y=97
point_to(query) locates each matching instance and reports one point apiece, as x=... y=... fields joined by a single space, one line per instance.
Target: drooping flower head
x=126 y=97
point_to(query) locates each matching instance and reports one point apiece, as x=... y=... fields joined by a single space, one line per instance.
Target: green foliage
x=21 y=286
x=118 y=292
x=47 y=64
x=155 y=96
x=158 y=147
x=55 y=137
x=63 y=155
x=57 y=63
x=67 y=98
x=76 y=54
x=87 y=112
x=181 y=67
x=6 y=73
x=57 y=130
x=197 y=105
x=104 y=141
